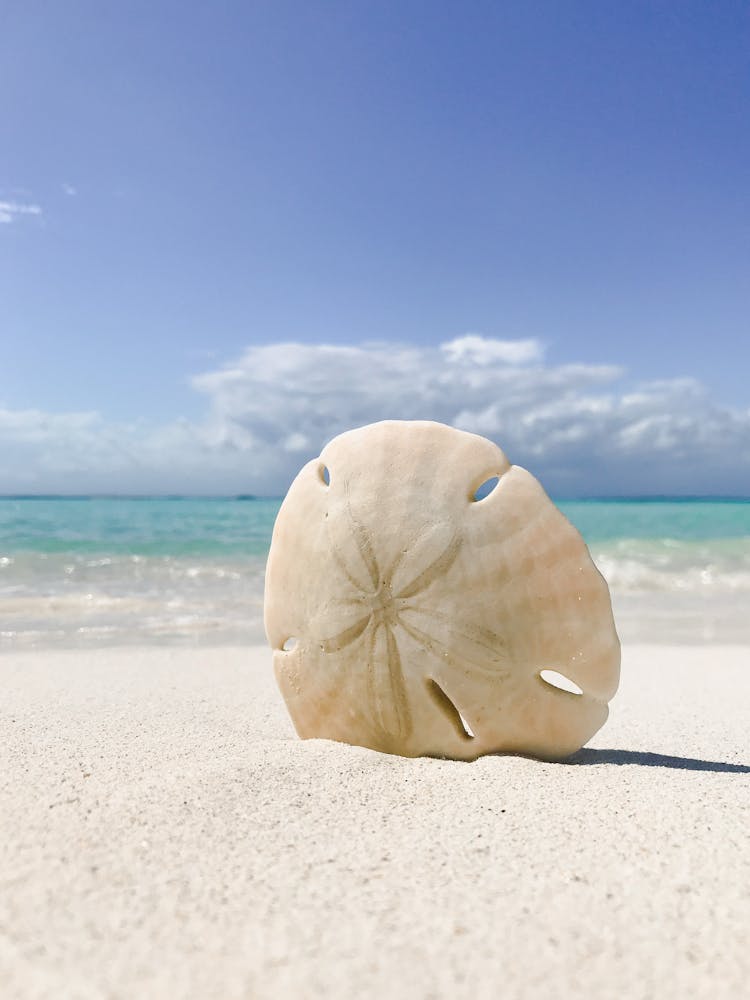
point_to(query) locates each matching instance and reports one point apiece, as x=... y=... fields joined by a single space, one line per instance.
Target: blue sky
x=186 y=189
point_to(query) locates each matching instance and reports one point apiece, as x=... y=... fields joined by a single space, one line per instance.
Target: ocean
x=96 y=571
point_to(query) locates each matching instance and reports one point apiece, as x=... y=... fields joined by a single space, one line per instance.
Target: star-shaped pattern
x=387 y=604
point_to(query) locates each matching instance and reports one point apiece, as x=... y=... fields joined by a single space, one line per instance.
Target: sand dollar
x=407 y=616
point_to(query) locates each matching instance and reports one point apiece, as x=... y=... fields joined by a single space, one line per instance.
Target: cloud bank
x=581 y=428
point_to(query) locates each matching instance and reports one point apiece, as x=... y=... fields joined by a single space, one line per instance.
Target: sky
x=231 y=231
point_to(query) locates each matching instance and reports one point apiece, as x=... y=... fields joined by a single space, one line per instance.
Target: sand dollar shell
x=408 y=617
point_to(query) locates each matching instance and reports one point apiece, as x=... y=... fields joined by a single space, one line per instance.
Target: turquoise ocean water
x=97 y=571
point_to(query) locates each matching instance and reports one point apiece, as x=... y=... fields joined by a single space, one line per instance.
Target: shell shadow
x=643 y=758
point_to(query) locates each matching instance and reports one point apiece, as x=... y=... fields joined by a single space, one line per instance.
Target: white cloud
x=70 y=190
x=296 y=442
x=579 y=427
x=11 y=210
x=475 y=349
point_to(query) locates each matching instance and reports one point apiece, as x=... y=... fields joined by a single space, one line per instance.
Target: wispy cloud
x=582 y=428
x=70 y=190
x=12 y=210
x=476 y=349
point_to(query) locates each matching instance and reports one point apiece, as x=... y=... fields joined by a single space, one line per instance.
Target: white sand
x=164 y=834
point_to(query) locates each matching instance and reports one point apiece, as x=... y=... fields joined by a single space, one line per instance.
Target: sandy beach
x=163 y=833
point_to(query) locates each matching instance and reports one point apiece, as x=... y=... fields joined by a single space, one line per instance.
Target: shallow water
x=101 y=571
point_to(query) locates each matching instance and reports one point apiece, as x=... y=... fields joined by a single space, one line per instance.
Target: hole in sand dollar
x=484 y=489
x=325 y=475
x=467 y=727
x=462 y=727
x=290 y=644
x=560 y=681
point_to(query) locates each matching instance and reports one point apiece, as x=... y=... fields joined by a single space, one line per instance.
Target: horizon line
x=243 y=497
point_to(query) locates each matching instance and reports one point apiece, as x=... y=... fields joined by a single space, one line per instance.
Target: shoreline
x=166 y=834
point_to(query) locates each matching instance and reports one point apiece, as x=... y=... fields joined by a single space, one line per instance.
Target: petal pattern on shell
x=426 y=618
